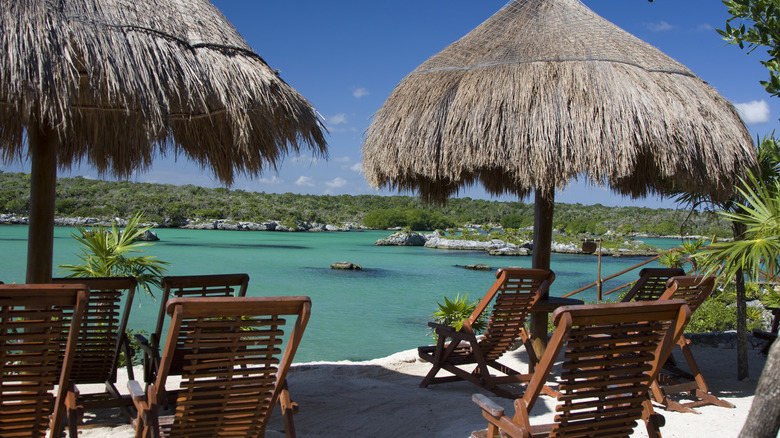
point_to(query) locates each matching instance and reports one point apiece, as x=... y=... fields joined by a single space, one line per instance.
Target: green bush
x=414 y=218
x=713 y=315
x=455 y=312
x=516 y=221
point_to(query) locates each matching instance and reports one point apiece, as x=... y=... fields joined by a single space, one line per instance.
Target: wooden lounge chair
x=515 y=291
x=235 y=369
x=217 y=285
x=612 y=354
x=102 y=338
x=651 y=284
x=694 y=290
x=38 y=345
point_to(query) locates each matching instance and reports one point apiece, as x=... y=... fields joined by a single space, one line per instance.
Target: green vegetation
x=170 y=205
x=758 y=26
x=416 y=219
x=106 y=252
x=455 y=312
x=719 y=313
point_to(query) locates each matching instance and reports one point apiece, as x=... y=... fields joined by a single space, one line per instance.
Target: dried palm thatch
x=117 y=82
x=120 y=81
x=544 y=92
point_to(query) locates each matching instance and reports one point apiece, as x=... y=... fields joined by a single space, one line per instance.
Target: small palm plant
x=108 y=252
x=455 y=312
x=760 y=213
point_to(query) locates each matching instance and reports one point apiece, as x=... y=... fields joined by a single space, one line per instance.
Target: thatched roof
x=121 y=81
x=546 y=91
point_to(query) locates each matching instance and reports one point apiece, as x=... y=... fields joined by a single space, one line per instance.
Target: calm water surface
x=356 y=315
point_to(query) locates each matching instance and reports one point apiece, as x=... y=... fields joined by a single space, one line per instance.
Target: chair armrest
x=145 y=346
x=151 y=358
x=436 y=326
x=446 y=331
x=488 y=405
x=136 y=390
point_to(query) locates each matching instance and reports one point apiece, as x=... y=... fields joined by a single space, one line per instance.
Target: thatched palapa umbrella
x=117 y=82
x=544 y=92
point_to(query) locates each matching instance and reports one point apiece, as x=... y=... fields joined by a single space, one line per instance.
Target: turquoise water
x=356 y=315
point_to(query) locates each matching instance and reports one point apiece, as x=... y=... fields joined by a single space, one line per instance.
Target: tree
x=759 y=26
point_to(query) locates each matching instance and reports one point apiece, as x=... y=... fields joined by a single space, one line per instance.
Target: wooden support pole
x=543 y=226
x=42 y=144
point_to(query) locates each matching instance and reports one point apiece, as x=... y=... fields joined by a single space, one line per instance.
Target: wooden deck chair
x=102 y=338
x=612 y=353
x=38 y=345
x=694 y=289
x=651 y=284
x=235 y=369
x=217 y=285
x=514 y=293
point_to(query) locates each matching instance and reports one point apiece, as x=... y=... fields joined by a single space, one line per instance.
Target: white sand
x=382 y=398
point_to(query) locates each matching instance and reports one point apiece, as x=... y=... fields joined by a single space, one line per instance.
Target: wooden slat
x=34 y=332
x=230 y=367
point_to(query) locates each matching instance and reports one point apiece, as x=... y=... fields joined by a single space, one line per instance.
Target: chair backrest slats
x=37 y=349
x=651 y=284
x=515 y=291
x=611 y=356
x=103 y=327
x=233 y=366
x=216 y=285
x=694 y=289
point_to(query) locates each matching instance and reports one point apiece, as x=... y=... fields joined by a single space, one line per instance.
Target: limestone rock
x=346 y=266
x=148 y=236
x=478 y=267
x=402 y=239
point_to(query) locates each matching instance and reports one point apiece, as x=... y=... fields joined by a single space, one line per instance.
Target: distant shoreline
x=271 y=225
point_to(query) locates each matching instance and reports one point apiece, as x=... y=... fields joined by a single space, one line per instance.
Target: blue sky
x=346 y=56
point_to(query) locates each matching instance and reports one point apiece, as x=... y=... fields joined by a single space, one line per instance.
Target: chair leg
x=653 y=420
x=289 y=409
x=74 y=412
x=697 y=388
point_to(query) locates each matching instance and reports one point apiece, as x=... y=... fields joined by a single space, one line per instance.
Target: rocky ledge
x=193 y=224
x=497 y=247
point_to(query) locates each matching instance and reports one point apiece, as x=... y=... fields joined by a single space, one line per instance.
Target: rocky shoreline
x=196 y=224
x=497 y=247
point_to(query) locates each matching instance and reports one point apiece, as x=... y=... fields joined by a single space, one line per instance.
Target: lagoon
x=356 y=315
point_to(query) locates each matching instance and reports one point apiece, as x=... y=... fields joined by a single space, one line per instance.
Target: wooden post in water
x=600 y=286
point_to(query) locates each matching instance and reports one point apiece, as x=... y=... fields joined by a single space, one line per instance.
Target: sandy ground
x=382 y=398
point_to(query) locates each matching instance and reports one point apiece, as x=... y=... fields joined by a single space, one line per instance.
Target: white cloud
x=342 y=160
x=357 y=167
x=305 y=181
x=338 y=119
x=753 y=112
x=704 y=27
x=360 y=92
x=336 y=183
x=272 y=180
x=661 y=26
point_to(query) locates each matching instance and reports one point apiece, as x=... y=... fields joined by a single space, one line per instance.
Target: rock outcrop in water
x=497 y=247
x=403 y=238
x=347 y=266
